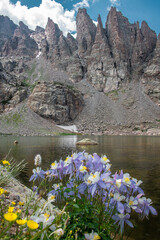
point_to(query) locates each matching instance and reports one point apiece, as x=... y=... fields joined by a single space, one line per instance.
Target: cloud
x=115 y=2
x=82 y=4
x=38 y=15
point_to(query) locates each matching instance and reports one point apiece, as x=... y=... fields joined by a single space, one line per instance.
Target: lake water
x=138 y=155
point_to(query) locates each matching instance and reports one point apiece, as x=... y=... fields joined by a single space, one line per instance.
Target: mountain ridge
x=119 y=64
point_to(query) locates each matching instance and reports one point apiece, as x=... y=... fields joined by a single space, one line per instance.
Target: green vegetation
x=13 y=167
x=12 y=118
x=136 y=129
x=31 y=70
x=25 y=83
x=65 y=134
x=113 y=94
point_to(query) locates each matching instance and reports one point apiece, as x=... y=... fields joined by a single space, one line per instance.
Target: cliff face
x=112 y=58
x=86 y=31
x=20 y=44
x=151 y=76
x=56 y=101
x=11 y=92
x=7 y=28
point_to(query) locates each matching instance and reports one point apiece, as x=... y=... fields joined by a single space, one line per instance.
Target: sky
x=63 y=12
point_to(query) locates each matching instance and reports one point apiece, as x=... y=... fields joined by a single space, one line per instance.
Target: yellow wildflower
x=96 y=237
x=52 y=198
x=5 y=162
x=21 y=221
x=131 y=202
x=126 y=180
x=10 y=209
x=46 y=216
x=10 y=216
x=1 y=191
x=21 y=203
x=32 y=225
x=13 y=203
x=18 y=210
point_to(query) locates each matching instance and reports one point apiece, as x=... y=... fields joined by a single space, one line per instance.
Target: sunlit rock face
x=56 y=101
x=151 y=76
x=86 y=31
x=101 y=69
x=130 y=44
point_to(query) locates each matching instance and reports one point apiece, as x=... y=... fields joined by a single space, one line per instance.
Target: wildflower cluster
x=99 y=203
x=84 y=201
x=35 y=218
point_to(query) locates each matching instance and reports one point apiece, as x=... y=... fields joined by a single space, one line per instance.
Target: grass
x=31 y=70
x=12 y=118
x=112 y=94
x=14 y=170
x=66 y=134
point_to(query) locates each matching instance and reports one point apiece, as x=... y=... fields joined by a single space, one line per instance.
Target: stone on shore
x=87 y=141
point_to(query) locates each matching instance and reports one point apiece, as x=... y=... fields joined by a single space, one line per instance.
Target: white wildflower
x=118 y=197
x=104 y=160
x=83 y=169
x=67 y=161
x=37 y=160
x=132 y=203
x=137 y=182
x=118 y=183
x=93 y=178
x=126 y=179
x=59 y=232
x=56 y=186
x=54 y=165
x=92 y=236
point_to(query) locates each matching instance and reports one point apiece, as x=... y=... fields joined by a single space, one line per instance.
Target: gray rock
x=56 y=101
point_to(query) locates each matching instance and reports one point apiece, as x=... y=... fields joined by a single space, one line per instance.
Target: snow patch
x=71 y=128
x=39 y=54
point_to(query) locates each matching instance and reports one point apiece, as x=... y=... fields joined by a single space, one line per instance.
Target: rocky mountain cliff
x=116 y=67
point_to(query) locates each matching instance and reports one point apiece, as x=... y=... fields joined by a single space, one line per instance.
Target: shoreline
x=110 y=132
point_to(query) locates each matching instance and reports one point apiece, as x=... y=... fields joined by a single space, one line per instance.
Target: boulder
x=86 y=141
x=56 y=101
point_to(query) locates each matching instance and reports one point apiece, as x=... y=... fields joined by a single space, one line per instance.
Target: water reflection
x=138 y=155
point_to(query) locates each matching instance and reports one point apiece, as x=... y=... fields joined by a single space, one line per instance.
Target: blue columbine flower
x=121 y=219
x=38 y=173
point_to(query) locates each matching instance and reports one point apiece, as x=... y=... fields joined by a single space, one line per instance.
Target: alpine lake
x=137 y=155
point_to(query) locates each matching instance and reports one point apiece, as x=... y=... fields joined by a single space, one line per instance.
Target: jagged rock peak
x=100 y=30
x=24 y=27
x=99 y=22
x=7 y=26
x=52 y=32
x=158 y=41
x=86 y=31
x=63 y=46
x=149 y=35
x=39 y=29
x=22 y=30
x=72 y=42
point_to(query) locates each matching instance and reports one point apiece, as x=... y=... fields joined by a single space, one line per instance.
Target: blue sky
x=63 y=12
